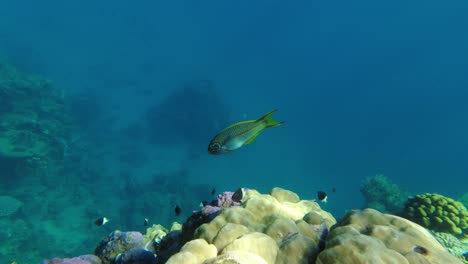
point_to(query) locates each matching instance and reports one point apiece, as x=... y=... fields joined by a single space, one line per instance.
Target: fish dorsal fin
x=237 y=124
x=241 y=123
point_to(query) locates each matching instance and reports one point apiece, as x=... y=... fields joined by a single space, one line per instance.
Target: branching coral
x=383 y=195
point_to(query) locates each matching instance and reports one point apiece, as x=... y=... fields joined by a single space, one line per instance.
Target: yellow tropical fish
x=239 y=134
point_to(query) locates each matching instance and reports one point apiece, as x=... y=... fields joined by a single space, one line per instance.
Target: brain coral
x=438 y=213
x=369 y=236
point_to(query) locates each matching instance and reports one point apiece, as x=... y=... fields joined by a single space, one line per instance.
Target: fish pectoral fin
x=253 y=138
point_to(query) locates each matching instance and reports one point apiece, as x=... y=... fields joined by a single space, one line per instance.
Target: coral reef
x=268 y=228
x=438 y=213
x=193 y=252
x=224 y=201
x=369 y=236
x=118 y=243
x=14 y=232
x=85 y=259
x=34 y=123
x=9 y=205
x=453 y=245
x=136 y=255
x=35 y=131
x=249 y=227
x=177 y=238
x=383 y=195
x=154 y=234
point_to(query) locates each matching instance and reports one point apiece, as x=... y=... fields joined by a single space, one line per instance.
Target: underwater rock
x=9 y=205
x=438 y=213
x=369 y=236
x=117 y=243
x=85 y=259
x=136 y=256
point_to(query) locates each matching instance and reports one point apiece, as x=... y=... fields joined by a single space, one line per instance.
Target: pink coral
x=224 y=200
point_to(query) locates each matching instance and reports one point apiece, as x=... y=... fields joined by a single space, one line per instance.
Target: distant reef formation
x=34 y=126
x=247 y=227
x=195 y=106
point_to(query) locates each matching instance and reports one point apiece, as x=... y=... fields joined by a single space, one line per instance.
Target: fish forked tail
x=269 y=119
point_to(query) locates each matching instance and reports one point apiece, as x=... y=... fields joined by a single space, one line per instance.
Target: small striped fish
x=239 y=134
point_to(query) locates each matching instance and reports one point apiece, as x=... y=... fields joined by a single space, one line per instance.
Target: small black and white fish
x=177 y=210
x=322 y=196
x=146 y=221
x=101 y=221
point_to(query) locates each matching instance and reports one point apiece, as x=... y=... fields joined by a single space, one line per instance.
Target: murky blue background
x=365 y=88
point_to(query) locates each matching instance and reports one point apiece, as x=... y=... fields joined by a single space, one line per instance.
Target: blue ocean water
x=364 y=88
